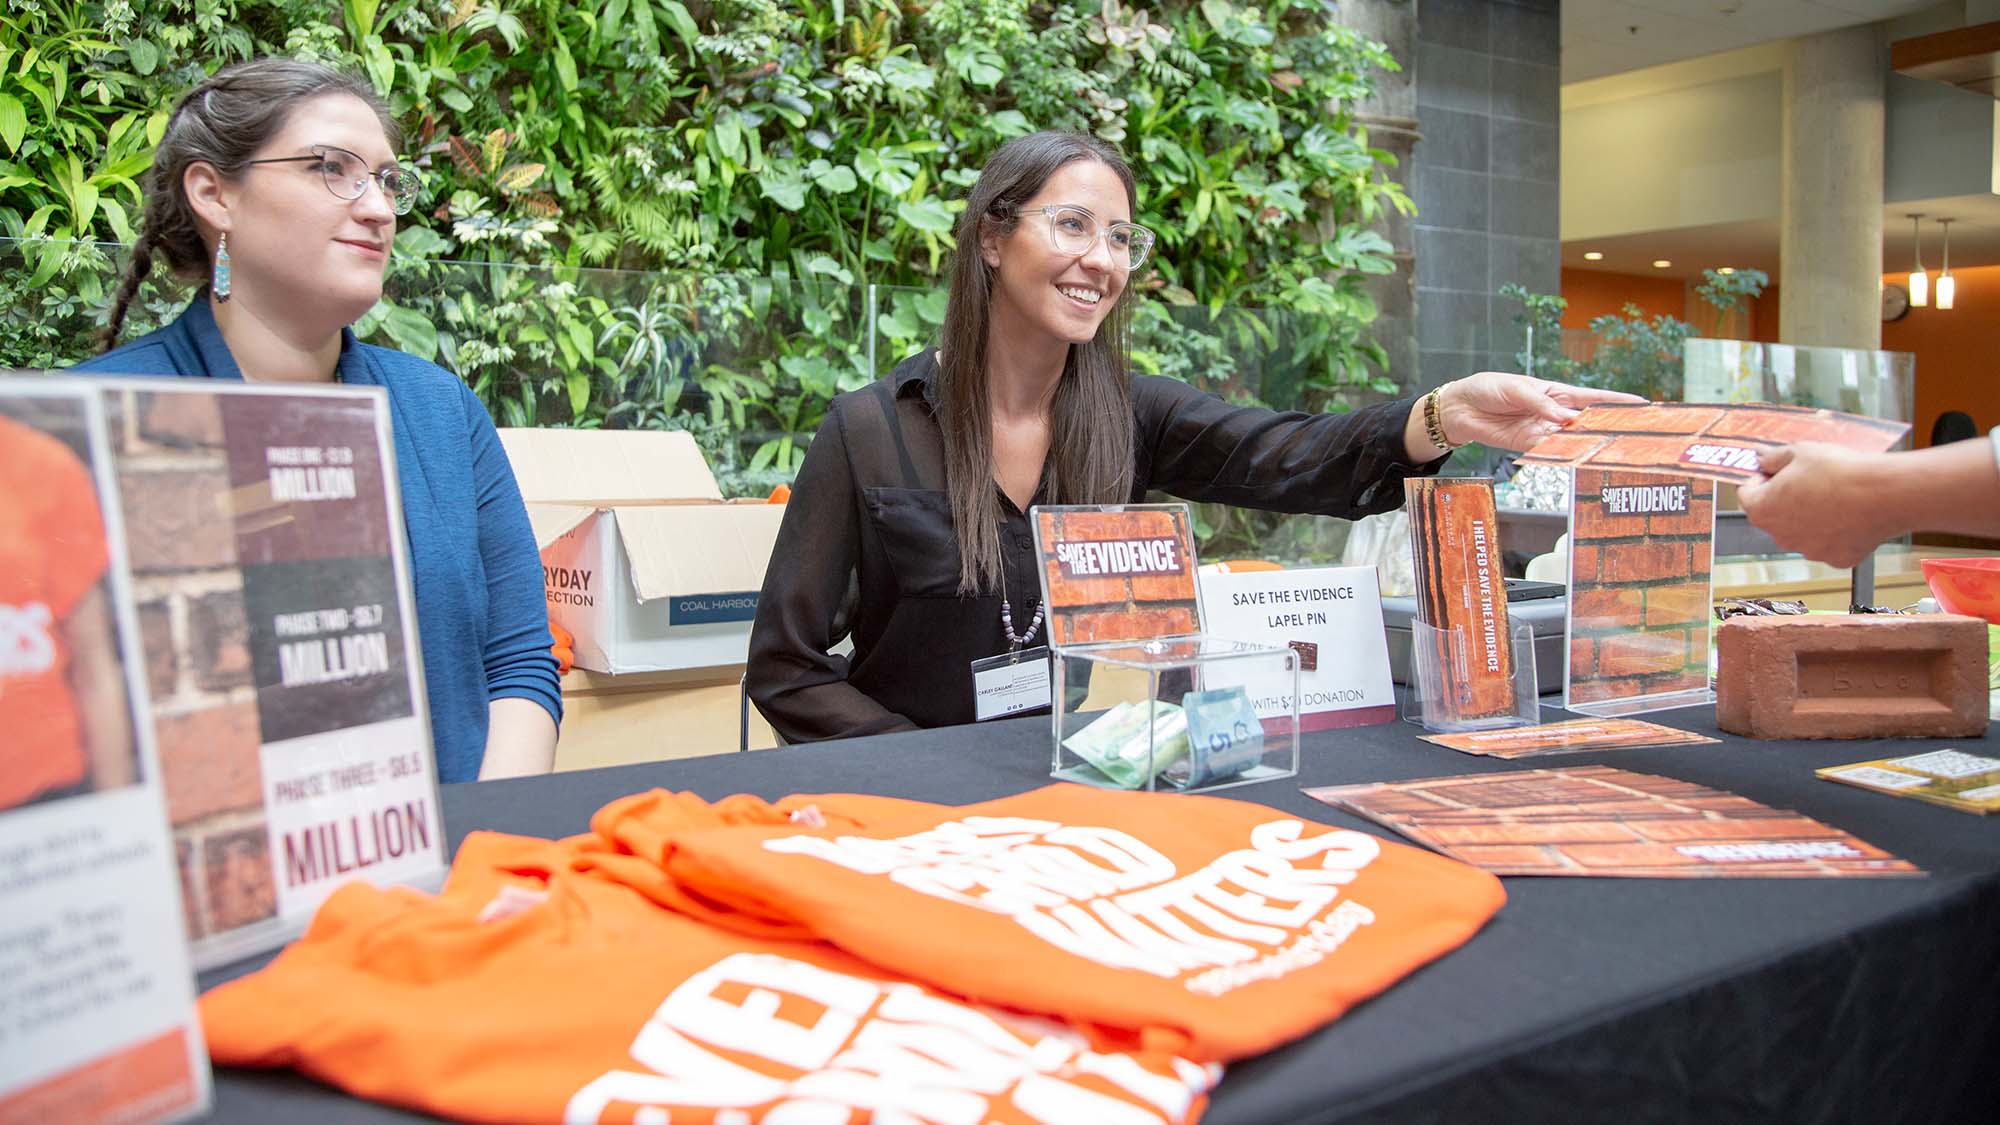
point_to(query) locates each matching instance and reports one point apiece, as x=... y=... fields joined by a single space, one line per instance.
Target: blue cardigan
x=480 y=612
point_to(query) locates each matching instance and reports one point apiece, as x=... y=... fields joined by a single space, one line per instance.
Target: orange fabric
x=535 y=989
x=52 y=553
x=1211 y=928
x=564 y=648
x=150 y=1080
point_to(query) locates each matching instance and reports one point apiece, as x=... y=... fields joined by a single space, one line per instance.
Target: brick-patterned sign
x=272 y=595
x=1117 y=574
x=97 y=1015
x=1641 y=550
x=1720 y=441
x=1596 y=820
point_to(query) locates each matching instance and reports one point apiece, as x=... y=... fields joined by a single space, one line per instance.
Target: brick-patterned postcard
x=1718 y=441
x=1461 y=592
x=96 y=988
x=1595 y=820
x=1641 y=553
x=1117 y=574
x=1567 y=737
x=274 y=596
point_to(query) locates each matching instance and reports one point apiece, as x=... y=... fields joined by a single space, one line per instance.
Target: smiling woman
x=277 y=182
x=907 y=529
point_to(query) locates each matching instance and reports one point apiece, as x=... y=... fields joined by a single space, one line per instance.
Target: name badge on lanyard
x=1010 y=683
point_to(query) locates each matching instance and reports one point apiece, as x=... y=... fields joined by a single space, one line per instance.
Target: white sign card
x=268 y=547
x=97 y=1017
x=1330 y=616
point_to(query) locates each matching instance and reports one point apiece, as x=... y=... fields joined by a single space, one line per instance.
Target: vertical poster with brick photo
x=97 y=1017
x=274 y=595
x=1123 y=573
x=1640 y=554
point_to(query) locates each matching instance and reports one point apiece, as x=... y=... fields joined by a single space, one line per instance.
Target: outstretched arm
x=1836 y=506
x=1501 y=410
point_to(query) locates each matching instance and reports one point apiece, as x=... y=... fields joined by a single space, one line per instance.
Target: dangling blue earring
x=221 y=284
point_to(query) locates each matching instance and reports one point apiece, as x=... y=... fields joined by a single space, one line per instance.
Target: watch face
x=1895 y=302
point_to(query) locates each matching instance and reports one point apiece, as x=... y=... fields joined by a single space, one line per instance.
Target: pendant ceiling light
x=1947 y=289
x=1920 y=282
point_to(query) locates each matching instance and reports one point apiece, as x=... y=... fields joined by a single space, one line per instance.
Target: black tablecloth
x=1621 y=1000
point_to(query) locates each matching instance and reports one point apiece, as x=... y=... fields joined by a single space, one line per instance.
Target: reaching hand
x=1513 y=411
x=1821 y=501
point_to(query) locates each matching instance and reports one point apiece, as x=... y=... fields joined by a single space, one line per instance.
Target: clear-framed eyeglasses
x=347 y=176
x=1073 y=230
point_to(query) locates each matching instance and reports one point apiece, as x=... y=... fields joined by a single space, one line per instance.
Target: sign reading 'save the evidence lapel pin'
x=1332 y=616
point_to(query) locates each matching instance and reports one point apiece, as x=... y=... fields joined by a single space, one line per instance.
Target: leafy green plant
x=715 y=216
x=1633 y=353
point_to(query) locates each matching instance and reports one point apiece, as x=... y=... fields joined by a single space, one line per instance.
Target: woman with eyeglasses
x=907 y=529
x=276 y=183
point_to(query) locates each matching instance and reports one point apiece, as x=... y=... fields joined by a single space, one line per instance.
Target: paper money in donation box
x=1142 y=698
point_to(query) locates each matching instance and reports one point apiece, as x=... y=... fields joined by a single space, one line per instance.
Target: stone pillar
x=1391 y=119
x=1830 y=255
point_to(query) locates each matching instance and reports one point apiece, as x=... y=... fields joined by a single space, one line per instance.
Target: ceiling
x=1601 y=37
x=1975 y=240
x=1607 y=37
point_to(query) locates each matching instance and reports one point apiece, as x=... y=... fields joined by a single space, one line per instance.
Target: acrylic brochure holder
x=1141 y=697
x=1438 y=703
x=1641 y=558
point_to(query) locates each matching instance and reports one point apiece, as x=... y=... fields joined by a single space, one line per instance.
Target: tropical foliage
x=642 y=212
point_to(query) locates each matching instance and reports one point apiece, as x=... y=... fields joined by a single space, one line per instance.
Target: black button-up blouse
x=867 y=548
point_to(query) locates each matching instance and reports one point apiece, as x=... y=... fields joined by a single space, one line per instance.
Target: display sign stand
x=1439 y=704
x=1641 y=560
x=1142 y=698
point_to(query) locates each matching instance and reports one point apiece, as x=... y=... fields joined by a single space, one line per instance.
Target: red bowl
x=1968 y=586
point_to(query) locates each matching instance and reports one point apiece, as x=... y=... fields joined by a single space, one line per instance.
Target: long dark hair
x=223 y=122
x=1090 y=424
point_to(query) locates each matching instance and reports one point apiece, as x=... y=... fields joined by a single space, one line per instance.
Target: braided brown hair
x=222 y=122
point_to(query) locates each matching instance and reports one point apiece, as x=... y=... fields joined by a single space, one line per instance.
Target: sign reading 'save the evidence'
x=1330 y=616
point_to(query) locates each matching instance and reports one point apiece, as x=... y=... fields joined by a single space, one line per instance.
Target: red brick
x=1592 y=604
x=1164 y=588
x=1677 y=605
x=219 y=641
x=1497 y=857
x=1783 y=426
x=1582 y=657
x=1596 y=690
x=1593 y=522
x=180 y=420
x=1565 y=447
x=1852 y=677
x=1627 y=855
x=210 y=762
x=1136 y=625
x=184 y=863
x=1701 y=559
x=178 y=519
x=1644 y=562
x=1584 y=559
x=156 y=634
x=1659 y=417
x=1084 y=591
x=238 y=869
x=1640 y=654
x=1735 y=829
x=1533 y=832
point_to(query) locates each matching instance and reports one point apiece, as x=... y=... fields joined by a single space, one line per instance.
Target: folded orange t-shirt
x=1210 y=928
x=535 y=989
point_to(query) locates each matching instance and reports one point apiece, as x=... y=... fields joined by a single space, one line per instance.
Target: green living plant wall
x=765 y=178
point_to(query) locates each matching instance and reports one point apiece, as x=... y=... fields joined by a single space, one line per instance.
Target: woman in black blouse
x=907 y=527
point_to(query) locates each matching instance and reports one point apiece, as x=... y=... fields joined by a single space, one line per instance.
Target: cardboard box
x=652 y=717
x=646 y=565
